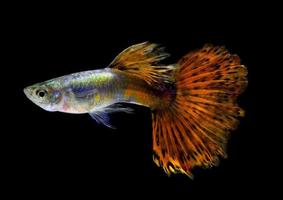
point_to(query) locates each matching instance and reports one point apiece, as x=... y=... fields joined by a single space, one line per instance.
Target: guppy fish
x=193 y=102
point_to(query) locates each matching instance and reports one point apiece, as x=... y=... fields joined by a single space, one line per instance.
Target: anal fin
x=101 y=115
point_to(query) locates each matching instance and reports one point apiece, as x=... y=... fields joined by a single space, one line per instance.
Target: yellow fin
x=141 y=60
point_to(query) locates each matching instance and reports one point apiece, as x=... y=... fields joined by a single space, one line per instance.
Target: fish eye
x=41 y=93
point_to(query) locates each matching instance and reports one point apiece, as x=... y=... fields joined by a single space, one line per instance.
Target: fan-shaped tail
x=194 y=130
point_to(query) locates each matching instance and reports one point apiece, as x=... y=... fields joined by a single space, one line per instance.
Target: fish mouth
x=27 y=92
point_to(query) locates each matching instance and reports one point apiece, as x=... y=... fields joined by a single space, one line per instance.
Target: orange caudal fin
x=194 y=130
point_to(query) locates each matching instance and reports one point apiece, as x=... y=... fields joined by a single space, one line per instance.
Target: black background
x=70 y=154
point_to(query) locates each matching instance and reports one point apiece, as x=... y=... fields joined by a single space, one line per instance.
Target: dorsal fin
x=141 y=60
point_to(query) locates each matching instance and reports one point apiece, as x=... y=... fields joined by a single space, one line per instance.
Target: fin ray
x=101 y=115
x=194 y=130
x=142 y=61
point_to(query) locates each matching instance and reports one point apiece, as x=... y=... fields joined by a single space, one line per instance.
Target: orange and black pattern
x=194 y=130
x=193 y=103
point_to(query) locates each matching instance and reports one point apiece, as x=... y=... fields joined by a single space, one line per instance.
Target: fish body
x=85 y=92
x=193 y=102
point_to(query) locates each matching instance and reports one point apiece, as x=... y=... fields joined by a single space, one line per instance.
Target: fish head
x=46 y=95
